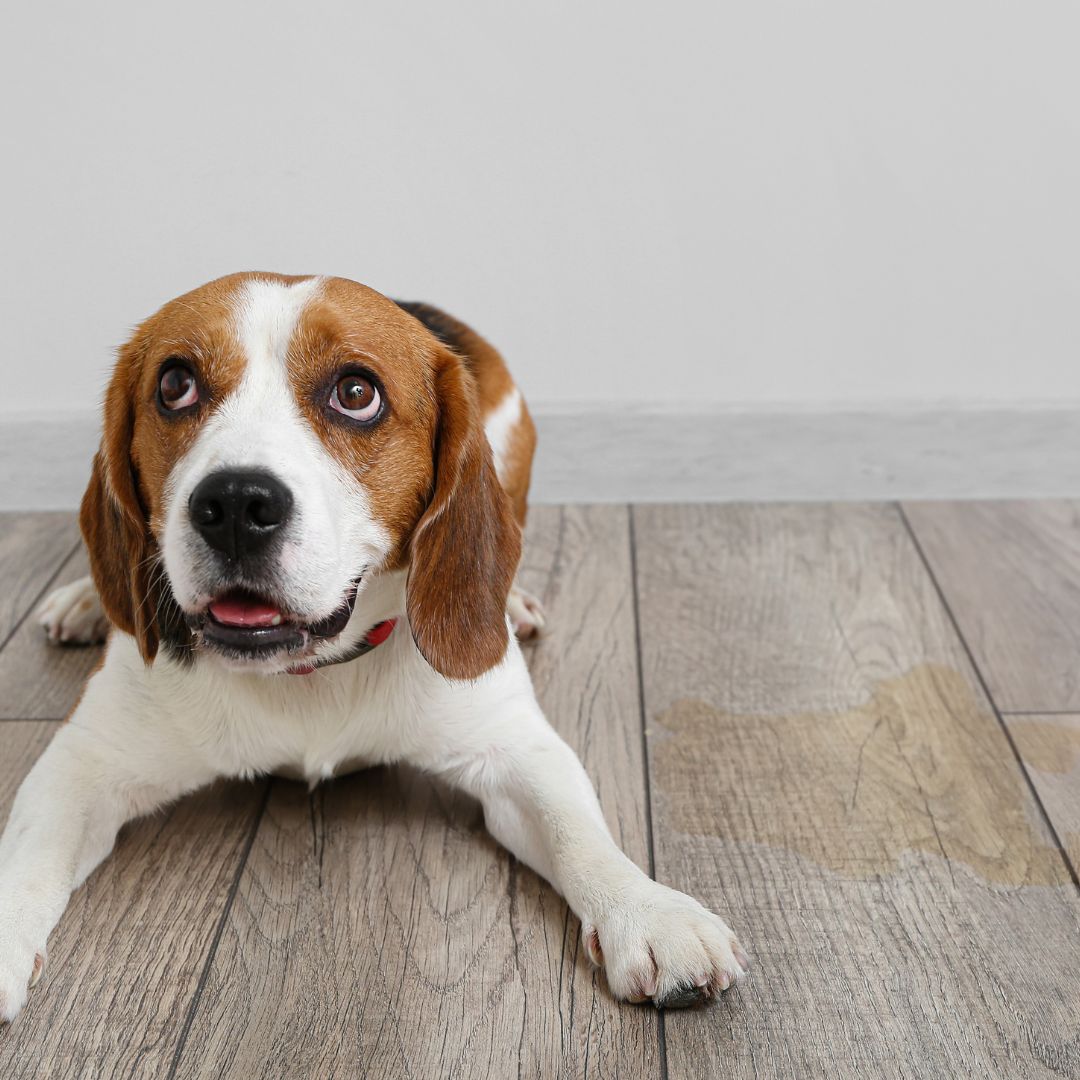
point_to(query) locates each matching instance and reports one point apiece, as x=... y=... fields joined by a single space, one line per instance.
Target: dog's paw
x=21 y=966
x=663 y=946
x=526 y=614
x=73 y=614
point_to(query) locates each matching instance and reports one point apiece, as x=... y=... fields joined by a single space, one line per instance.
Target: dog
x=304 y=525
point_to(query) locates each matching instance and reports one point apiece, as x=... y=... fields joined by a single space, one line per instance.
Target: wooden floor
x=854 y=730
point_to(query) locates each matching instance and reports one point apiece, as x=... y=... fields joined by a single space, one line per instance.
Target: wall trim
x=621 y=455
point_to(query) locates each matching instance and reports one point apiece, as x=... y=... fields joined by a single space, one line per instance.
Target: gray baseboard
x=589 y=455
x=827 y=454
x=45 y=461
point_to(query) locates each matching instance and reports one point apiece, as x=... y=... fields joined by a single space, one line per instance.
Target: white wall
x=695 y=202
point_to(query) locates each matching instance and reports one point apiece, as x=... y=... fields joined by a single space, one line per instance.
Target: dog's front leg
x=654 y=942
x=63 y=822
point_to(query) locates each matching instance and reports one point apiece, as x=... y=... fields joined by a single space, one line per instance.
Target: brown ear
x=466 y=548
x=114 y=522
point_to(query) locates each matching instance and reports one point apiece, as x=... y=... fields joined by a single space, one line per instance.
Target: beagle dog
x=304 y=523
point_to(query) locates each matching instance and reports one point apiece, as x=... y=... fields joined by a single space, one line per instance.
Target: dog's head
x=272 y=443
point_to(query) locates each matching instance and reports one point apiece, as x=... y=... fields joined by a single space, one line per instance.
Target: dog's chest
x=314 y=727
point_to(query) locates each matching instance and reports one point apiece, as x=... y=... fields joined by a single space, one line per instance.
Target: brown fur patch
x=349 y=324
x=466 y=548
x=493 y=384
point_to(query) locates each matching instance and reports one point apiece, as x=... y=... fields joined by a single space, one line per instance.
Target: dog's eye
x=356 y=397
x=178 y=388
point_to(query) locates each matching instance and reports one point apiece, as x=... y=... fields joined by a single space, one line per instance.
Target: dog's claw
x=39 y=968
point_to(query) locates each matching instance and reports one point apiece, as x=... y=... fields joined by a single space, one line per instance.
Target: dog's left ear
x=466 y=547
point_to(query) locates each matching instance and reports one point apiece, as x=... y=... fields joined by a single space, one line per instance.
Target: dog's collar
x=372 y=639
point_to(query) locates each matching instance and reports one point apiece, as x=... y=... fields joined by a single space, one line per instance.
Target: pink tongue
x=237 y=611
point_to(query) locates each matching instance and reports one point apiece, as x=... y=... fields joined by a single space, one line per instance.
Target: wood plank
x=379 y=931
x=828 y=774
x=126 y=957
x=1050 y=749
x=1011 y=574
x=32 y=547
x=22 y=746
x=42 y=681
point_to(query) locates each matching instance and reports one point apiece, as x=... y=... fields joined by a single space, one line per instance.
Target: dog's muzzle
x=243 y=625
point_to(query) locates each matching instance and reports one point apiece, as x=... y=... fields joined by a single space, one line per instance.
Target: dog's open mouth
x=246 y=626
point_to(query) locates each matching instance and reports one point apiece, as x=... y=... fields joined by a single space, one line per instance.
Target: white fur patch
x=267 y=313
x=499 y=426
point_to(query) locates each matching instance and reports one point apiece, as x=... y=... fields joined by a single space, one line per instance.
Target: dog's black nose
x=236 y=513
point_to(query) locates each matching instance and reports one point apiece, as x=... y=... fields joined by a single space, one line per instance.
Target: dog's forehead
x=266 y=314
x=258 y=315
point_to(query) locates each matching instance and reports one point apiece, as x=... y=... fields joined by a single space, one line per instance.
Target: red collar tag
x=380 y=632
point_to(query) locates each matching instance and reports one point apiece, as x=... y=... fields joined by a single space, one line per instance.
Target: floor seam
x=641 y=693
x=661 y=1027
x=1055 y=836
x=1041 y=712
x=32 y=606
x=204 y=976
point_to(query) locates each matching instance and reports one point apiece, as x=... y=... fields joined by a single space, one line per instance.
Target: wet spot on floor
x=923 y=765
x=1050 y=744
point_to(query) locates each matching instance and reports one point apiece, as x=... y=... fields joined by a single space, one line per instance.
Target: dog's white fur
x=142 y=736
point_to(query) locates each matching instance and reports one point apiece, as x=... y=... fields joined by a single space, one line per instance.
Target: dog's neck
x=371 y=640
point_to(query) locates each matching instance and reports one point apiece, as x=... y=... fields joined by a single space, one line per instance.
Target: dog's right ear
x=114 y=522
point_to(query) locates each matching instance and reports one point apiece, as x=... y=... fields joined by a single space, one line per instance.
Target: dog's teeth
x=276 y=620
